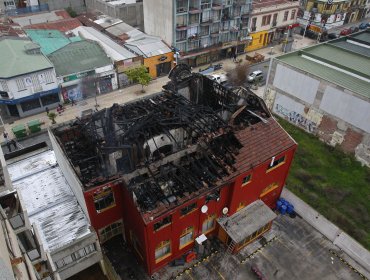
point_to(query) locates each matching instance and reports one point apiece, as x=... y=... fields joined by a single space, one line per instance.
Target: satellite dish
x=204 y=209
x=225 y=210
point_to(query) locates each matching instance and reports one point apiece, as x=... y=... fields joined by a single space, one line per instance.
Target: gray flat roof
x=49 y=200
x=344 y=62
x=246 y=221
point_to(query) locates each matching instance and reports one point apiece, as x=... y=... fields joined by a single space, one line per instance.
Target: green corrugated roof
x=15 y=61
x=50 y=40
x=78 y=57
x=342 y=79
x=340 y=57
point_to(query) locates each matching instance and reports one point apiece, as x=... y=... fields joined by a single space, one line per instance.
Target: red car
x=345 y=32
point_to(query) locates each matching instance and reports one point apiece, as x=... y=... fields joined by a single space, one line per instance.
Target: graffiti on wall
x=296 y=118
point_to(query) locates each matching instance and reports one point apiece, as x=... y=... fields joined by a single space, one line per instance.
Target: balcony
x=216 y=19
x=181 y=10
x=180 y=39
x=225 y=18
x=193 y=10
x=217 y=7
x=194 y=37
x=215 y=34
x=181 y=27
x=206 y=23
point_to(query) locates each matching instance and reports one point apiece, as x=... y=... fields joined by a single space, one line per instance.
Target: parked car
x=364 y=25
x=354 y=29
x=219 y=78
x=332 y=36
x=345 y=32
x=255 y=76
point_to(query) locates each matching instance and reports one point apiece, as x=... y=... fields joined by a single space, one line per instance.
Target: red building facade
x=176 y=170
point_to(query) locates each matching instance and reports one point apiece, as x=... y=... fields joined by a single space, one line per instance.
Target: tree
x=139 y=75
x=71 y=12
x=52 y=117
x=238 y=76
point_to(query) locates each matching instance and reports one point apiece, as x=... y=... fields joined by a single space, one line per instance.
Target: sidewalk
x=134 y=92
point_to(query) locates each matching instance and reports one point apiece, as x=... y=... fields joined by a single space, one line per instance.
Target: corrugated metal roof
x=339 y=78
x=13 y=55
x=344 y=62
x=113 y=50
x=148 y=46
x=245 y=222
x=340 y=57
x=49 y=40
x=62 y=25
x=352 y=47
x=79 y=57
x=49 y=200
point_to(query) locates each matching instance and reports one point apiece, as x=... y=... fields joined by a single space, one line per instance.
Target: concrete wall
x=159 y=19
x=336 y=115
x=82 y=263
x=131 y=14
x=331 y=231
x=77 y=5
x=69 y=174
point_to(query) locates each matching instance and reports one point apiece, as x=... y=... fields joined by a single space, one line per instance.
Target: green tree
x=139 y=75
x=71 y=12
x=52 y=117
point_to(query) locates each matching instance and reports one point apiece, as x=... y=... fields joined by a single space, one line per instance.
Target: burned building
x=195 y=159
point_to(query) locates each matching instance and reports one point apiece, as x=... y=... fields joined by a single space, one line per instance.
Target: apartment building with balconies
x=270 y=20
x=202 y=31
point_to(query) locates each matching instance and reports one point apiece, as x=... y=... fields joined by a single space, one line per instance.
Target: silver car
x=255 y=76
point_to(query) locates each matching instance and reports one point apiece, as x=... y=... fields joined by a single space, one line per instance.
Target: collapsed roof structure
x=167 y=146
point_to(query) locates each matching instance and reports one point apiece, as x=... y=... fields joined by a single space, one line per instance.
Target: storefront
x=159 y=65
x=122 y=66
x=32 y=104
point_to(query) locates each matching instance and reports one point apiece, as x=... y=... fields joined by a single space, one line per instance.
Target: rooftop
x=62 y=25
x=13 y=54
x=148 y=46
x=49 y=40
x=49 y=200
x=79 y=57
x=168 y=149
x=28 y=19
x=344 y=62
x=114 y=50
x=270 y=3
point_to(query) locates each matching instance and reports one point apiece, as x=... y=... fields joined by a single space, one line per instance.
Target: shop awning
x=246 y=221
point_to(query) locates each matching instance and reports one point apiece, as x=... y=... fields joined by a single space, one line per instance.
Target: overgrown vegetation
x=332 y=182
x=71 y=12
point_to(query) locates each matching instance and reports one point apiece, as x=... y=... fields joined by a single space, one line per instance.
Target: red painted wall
x=105 y=218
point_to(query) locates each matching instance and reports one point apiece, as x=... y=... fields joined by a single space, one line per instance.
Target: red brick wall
x=351 y=140
x=327 y=128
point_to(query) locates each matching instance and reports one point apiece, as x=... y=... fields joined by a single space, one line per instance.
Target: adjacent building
x=83 y=69
x=157 y=56
x=77 y=6
x=123 y=59
x=270 y=21
x=325 y=90
x=53 y=230
x=129 y=11
x=195 y=160
x=202 y=31
x=28 y=83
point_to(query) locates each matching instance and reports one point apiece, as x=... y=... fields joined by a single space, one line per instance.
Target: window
x=75 y=256
x=104 y=200
x=286 y=14
x=240 y=206
x=163 y=250
x=209 y=224
x=20 y=84
x=162 y=223
x=292 y=15
x=109 y=231
x=30 y=105
x=261 y=37
x=186 y=237
x=206 y=16
x=49 y=77
x=254 y=23
x=205 y=4
x=276 y=162
x=49 y=99
x=4 y=86
x=188 y=209
x=266 y=20
x=246 y=179
x=269 y=189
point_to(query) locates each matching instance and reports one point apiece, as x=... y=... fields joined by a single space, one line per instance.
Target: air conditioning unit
x=4 y=94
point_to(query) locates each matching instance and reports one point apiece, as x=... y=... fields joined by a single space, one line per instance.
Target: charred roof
x=185 y=140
